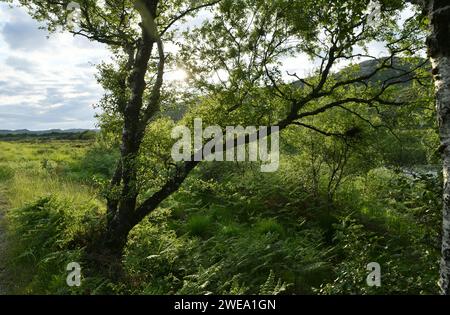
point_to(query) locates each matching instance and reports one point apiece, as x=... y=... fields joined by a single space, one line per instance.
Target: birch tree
x=439 y=53
x=437 y=13
x=246 y=40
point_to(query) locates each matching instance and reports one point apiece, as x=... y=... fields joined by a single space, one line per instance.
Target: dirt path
x=3 y=207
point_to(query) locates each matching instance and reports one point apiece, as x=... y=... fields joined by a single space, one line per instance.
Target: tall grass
x=47 y=212
x=228 y=230
x=32 y=184
x=34 y=170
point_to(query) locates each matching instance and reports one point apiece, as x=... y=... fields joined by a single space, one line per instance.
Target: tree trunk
x=439 y=52
x=108 y=249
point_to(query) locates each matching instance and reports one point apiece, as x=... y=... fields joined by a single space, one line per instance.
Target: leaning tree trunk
x=108 y=249
x=439 y=53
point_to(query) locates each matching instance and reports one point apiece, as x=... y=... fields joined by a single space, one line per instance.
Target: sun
x=178 y=74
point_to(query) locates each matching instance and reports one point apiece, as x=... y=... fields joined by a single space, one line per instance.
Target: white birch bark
x=439 y=54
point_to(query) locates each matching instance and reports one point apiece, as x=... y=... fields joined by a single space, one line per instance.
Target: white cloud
x=46 y=82
x=49 y=82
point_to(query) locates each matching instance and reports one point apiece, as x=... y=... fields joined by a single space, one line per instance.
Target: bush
x=228 y=230
x=199 y=225
x=6 y=173
x=98 y=161
x=45 y=236
x=407 y=266
x=235 y=259
x=269 y=226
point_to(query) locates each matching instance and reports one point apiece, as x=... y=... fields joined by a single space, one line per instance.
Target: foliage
x=230 y=229
x=351 y=188
x=47 y=235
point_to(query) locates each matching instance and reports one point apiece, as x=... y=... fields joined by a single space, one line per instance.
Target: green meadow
x=219 y=233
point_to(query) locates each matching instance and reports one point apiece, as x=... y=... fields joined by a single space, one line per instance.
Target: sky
x=45 y=83
x=48 y=81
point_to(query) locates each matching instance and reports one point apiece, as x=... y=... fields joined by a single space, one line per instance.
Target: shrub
x=6 y=172
x=269 y=226
x=45 y=236
x=98 y=161
x=199 y=225
x=406 y=267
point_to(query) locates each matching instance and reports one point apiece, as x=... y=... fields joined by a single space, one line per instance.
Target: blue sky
x=48 y=82
x=45 y=82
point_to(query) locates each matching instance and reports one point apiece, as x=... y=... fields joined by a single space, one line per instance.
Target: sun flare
x=178 y=74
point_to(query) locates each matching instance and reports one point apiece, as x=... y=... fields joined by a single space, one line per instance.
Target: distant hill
x=52 y=134
x=41 y=132
x=400 y=66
